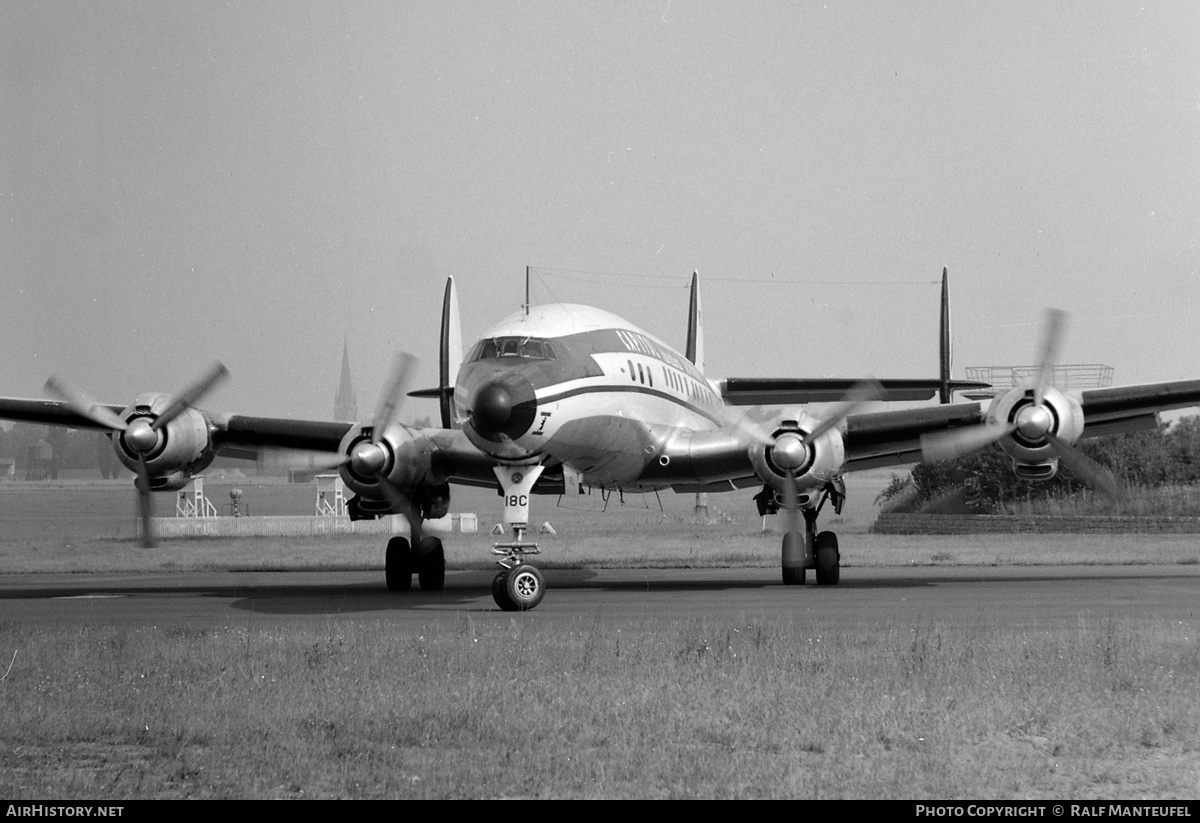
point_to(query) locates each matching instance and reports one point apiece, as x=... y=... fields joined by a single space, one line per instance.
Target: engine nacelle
x=1058 y=414
x=814 y=464
x=173 y=453
x=401 y=458
x=168 y=483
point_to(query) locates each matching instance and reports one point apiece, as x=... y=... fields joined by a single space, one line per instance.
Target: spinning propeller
x=1033 y=422
x=374 y=458
x=791 y=450
x=140 y=435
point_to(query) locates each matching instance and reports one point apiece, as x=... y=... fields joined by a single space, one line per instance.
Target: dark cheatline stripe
x=631 y=389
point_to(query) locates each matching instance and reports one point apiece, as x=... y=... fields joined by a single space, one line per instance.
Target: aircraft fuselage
x=582 y=386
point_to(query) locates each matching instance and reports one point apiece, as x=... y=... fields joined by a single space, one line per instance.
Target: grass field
x=516 y=708
x=760 y=709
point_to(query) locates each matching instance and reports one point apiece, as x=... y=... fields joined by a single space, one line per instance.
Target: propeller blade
x=84 y=405
x=748 y=430
x=279 y=459
x=188 y=397
x=404 y=368
x=1088 y=470
x=952 y=443
x=145 y=504
x=1052 y=332
x=864 y=391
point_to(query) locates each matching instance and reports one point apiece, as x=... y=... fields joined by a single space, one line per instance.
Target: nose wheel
x=518 y=589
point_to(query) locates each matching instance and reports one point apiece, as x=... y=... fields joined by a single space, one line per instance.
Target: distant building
x=345 y=404
x=40 y=463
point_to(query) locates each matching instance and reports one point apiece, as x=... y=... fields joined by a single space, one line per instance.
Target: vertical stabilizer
x=695 y=333
x=450 y=355
x=944 y=356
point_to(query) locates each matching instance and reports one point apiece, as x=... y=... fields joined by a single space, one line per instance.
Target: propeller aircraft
x=561 y=397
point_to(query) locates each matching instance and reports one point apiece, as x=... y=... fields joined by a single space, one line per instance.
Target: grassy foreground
x=534 y=708
x=530 y=709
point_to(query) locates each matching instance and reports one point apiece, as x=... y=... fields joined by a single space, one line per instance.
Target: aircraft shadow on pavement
x=471 y=590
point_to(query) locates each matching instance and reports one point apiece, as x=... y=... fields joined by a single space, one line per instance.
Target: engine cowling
x=401 y=458
x=1058 y=414
x=814 y=464
x=172 y=453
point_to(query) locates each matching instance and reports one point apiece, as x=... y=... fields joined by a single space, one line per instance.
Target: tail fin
x=450 y=355
x=944 y=355
x=695 y=332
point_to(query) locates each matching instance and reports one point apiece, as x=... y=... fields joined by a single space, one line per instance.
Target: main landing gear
x=809 y=549
x=427 y=560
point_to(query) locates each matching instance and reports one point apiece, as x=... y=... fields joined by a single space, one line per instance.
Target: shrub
x=985 y=482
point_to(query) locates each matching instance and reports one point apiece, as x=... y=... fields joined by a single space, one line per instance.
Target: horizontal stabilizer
x=757 y=391
x=436 y=393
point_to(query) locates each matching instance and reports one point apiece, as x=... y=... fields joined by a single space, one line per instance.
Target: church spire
x=345 y=404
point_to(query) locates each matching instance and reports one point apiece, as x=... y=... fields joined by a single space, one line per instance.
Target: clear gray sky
x=255 y=182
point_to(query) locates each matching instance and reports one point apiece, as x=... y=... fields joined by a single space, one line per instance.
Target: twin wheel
x=427 y=561
x=825 y=558
x=518 y=589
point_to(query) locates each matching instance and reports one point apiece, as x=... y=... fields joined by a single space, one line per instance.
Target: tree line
x=1168 y=455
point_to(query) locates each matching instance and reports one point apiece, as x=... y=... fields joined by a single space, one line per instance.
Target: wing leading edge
x=763 y=391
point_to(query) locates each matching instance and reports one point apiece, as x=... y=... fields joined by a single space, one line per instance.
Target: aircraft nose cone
x=503 y=407
x=493 y=407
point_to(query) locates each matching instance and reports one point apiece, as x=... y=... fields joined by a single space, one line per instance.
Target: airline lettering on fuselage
x=635 y=342
x=679 y=372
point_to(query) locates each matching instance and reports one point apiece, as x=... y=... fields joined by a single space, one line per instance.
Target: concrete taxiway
x=1050 y=596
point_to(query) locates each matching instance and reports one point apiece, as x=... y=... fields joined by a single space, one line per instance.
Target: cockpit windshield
x=529 y=348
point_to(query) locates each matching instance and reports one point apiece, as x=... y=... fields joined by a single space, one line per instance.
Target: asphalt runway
x=1028 y=596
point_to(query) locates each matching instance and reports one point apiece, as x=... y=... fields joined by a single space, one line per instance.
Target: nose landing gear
x=519 y=586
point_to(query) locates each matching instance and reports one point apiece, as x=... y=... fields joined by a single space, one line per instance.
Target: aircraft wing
x=247 y=436
x=893 y=437
x=246 y=433
x=48 y=413
x=764 y=391
x=453 y=455
x=228 y=431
